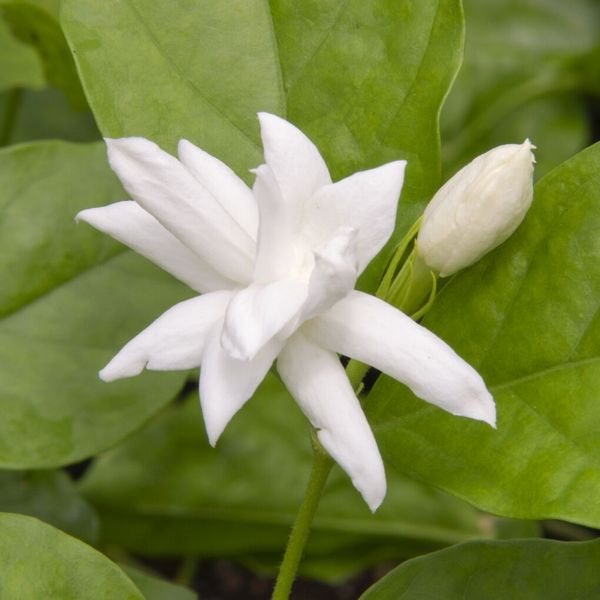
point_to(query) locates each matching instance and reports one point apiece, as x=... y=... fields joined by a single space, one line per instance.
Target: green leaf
x=70 y=298
x=45 y=114
x=38 y=561
x=19 y=64
x=515 y=53
x=526 y=317
x=35 y=22
x=364 y=80
x=155 y=588
x=165 y=491
x=515 y=569
x=51 y=497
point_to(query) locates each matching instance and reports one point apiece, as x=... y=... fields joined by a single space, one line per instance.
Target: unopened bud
x=477 y=209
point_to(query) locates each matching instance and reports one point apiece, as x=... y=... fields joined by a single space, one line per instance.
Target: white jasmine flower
x=275 y=266
x=477 y=209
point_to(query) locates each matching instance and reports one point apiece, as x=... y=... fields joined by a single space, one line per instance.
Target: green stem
x=13 y=103
x=321 y=467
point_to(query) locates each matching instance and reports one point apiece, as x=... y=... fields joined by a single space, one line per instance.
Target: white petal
x=296 y=163
x=334 y=273
x=226 y=384
x=160 y=184
x=373 y=332
x=276 y=254
x=224 y=185
x=257 y=313
x=366 y=201
x=319 y=384
x=130 y=224
x=174 y=341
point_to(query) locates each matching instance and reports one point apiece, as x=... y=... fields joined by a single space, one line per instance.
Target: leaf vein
x=181 y=75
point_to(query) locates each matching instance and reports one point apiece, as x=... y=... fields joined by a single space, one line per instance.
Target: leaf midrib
x=185 y=79
x=555 y=368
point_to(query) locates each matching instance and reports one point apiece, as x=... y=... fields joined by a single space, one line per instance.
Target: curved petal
x=378 y=334
x=366 y=201
x=174 y=341
x=224 y=185
x=130 y=224
x=276 y=252
x=334 y=273
x=160 y=184
x=257 y=313
x=226 y=384
x=297 y=165
x=316 y=379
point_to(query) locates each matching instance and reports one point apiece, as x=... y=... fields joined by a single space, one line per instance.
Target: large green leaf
x=51 y=497
x=526 y=317
x=165 y=491
x=364 y=79
x=69 y=298
x=516 y=569
x=19 y=64
x=38 y=561
x=515 y=52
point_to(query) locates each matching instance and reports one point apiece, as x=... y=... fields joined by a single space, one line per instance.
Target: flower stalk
x=321 y=468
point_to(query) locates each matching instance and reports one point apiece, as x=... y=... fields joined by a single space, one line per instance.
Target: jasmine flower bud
x=477 y=209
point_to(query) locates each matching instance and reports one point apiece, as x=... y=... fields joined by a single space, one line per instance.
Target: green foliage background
x=366 y=80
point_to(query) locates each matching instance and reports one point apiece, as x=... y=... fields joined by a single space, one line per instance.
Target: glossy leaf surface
x=39 y=561
x=516 y=569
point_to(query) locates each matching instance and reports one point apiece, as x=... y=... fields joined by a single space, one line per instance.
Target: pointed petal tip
x=373 y=506
x=106 y=375
x=399 y=164
x=271 y=123
x=214 y=428
x=372 y=489
x=212 y=438
x=484 y=409
x=264 y=117
x=397 y=167
x=374 y=501
x=185 y=147
x=87 y=215
x=369 y=480
x=182 y=144
x=120 y=369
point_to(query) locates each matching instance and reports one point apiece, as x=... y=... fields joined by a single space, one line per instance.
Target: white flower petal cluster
x=478 y=208
x=276 y=266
